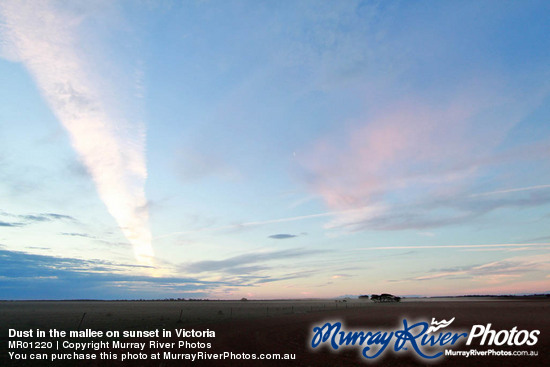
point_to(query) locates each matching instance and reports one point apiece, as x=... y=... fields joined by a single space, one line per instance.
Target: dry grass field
x=280 y=326
x=152 y=314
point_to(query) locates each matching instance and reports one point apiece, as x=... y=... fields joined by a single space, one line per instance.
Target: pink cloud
x=410 y=151
x=512 y=275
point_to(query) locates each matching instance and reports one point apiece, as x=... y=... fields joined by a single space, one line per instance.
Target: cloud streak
x=499 y=246
x=538 y=187
x=357 y=211
x=240 y=261
x=52 y=42
x=282 y=236
x=493 y=272
x=26 y=219
x=11 y=224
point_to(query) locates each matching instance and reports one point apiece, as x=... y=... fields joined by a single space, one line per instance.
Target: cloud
x=45 y=217
x=26 y=219
x=537 y=239
x=289 y=276
x=89 y=96
x=400 y=160
x=506 y=191
x=340 y=276
x=429 y=122
x=432 y=247
x=236 y=262
x=253 y=268
x=282 y=236
x=492 y=272
x=11 y=224
x=238 y=226
x=29 y=276
x=75 y=234
x=430 y=213
x=243 y=270
x=58 y=216
x=36 y=218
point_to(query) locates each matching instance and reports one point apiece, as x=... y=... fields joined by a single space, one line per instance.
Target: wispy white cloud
x=493 y=272
x=428 y=247
x=343 y=213
x=506 y=191
x=52 y=40
x=340 y=276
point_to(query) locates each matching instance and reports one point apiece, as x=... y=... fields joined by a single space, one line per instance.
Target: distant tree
x=384 y=297
x=244 y=299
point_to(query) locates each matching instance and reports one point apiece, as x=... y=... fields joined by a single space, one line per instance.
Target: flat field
x=282 y=327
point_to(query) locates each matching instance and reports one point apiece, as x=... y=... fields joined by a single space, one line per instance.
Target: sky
x=259 y=149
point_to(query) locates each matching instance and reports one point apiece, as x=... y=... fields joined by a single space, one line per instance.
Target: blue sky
x=230 y=149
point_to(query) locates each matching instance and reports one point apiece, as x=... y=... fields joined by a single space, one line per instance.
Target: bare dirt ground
x=284 y=327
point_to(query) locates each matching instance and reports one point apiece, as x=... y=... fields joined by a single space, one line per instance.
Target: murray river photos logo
x=427 y=341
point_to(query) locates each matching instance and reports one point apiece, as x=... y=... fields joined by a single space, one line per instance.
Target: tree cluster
x=384 y=297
